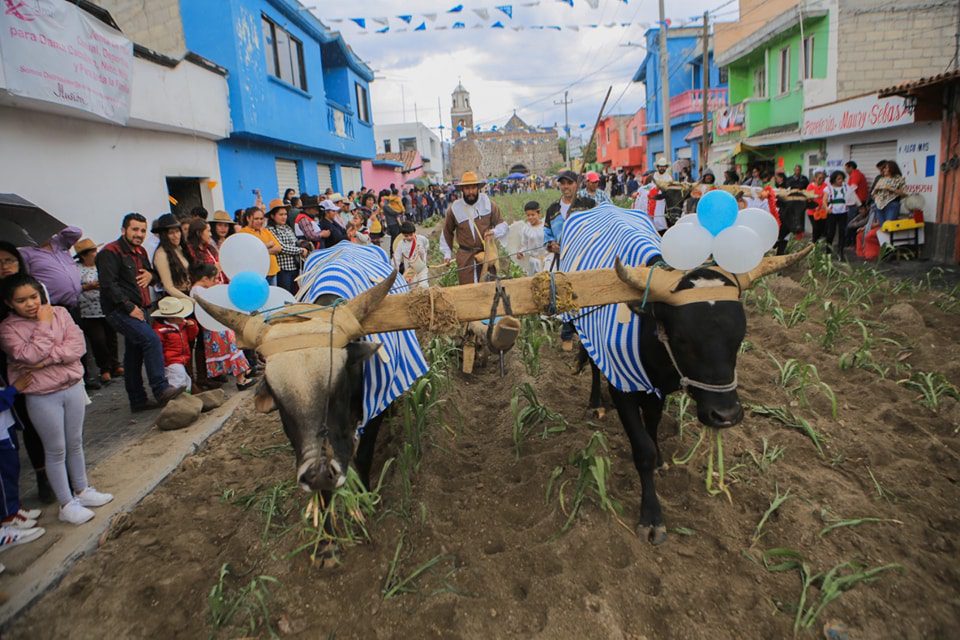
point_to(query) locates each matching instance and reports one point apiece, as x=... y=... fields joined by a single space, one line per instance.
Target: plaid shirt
x=289 y=258
x=599 y=196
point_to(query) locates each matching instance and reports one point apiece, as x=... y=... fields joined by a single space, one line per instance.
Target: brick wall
x=492 y=154
x=883 y=44
x=155 y=24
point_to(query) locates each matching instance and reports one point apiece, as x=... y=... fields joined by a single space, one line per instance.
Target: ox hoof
x=567 y=345
x=654 y=534
x=599 y=413
x=328 y=556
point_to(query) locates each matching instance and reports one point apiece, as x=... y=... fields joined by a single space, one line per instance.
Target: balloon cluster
x=737 y=239
x=244 y=259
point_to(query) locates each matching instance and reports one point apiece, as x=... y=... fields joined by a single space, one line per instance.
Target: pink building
x=391 y=168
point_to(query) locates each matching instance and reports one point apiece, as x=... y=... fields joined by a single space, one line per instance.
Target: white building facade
x=88 y=171
x=396 y=138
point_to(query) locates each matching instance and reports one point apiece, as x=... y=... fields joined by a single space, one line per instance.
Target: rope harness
x=686 y=382
x=500 y=295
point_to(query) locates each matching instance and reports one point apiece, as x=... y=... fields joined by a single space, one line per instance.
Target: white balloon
x=688 y=218
x=277 y=297
x=738 y=249
x=763 y=224
x=686 y=246
x=244 y=252
x=218 y=295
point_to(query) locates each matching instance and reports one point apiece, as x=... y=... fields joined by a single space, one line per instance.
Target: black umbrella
x=24 y=223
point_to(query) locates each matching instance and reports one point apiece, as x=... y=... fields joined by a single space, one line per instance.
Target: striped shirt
x=346 y=270
x=593 y=240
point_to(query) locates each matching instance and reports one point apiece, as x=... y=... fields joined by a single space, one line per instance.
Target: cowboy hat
x=171 y=307
x=662 y=162
x=309 y=202
x=221 y=216
x=275 y=204
x=164 y=222
x=84 y=245
x=469 y=179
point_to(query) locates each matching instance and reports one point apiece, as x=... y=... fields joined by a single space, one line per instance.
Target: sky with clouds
x=504 y=69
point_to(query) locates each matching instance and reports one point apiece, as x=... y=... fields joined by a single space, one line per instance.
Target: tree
x=562 y=146
x=590 y=153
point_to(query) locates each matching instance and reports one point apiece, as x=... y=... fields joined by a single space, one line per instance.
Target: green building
x=773 y=74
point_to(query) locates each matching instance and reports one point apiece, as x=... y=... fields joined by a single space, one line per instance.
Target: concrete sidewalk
x=132 y=458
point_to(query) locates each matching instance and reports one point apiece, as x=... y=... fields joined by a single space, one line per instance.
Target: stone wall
x=155 y=24
x=491 y=154
x=883 y=44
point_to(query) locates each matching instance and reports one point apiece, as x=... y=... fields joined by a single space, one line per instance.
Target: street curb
x=149 y=462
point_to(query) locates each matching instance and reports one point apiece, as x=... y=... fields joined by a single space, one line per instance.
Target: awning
x=695 y=134
x=775 y=136
x=906 y=88
x=737 y=149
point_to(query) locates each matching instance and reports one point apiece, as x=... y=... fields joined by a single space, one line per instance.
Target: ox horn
x=772 y=264
x=369 y=299
x=249 y=329
x=636 y=277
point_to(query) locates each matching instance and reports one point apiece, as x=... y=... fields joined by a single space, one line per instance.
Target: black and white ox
x=314 y=377
x=690 y=336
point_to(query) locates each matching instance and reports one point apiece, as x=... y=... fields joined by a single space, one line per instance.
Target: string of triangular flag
x=499 y=24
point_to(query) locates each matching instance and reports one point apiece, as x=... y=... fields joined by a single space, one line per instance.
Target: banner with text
x=54 y=51
x=856 y=115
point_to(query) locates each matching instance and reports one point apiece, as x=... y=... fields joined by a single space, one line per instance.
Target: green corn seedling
x=788 y=419
x=768 y=455
x=933 y=387
x=592 y=466
x=528 y=413
x=775 y=504
x=250 y=601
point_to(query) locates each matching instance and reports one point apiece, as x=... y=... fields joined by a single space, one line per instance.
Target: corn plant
x=761 y=297
x=271 y=502
x=768 y=455
x=592 y=467
x=830 y=584
x=797 y=314
x=250 y=601
x=835 y=318
x=834 y=523
x=788 y=419
x=342 y=520
x=775 y=504
x=395 y=584
x=933 y=387
x=796 y=377
x=533 y=414
x=535 y=332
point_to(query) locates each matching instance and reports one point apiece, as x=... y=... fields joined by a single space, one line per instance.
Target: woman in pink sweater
x=44 y=340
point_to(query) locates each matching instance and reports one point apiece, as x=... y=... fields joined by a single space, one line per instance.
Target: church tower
x=461 y=115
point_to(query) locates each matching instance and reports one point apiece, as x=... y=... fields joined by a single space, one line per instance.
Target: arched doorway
x=519 y=168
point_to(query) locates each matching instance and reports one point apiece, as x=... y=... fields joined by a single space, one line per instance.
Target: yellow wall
x=754 y=14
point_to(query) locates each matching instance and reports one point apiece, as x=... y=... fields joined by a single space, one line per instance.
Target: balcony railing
x=692 y=101
x=339 y=122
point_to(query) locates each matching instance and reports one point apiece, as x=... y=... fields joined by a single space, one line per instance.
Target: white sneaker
x=11 y=536
x=90 y=497
x=30 y=514
x=75 y=513
x=19 y=520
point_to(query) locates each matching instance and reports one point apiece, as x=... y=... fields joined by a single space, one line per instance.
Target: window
x=724 y=75
x=608 y=136
x=386 y=146
x=784 y=70
x=363 y=108
x=407 y=144
x=760 y=82
x=808 y=57
x=284 y=54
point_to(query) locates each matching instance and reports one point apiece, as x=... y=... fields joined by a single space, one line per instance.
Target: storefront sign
x=917 y=157
x=54 y=51
x=730 y=119
x=866 y=113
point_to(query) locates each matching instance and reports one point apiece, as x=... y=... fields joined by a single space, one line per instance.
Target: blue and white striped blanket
x=594 y=239
x=346 y=270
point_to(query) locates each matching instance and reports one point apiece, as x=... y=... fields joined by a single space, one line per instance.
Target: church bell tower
x=461 y=114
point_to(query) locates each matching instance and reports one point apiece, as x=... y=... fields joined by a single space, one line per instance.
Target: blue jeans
x=10 y=474
x=272 y=280
x=286 y=280
x=141 y=348
x=889 y=212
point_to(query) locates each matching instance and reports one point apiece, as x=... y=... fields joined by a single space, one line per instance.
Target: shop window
x=784 y=78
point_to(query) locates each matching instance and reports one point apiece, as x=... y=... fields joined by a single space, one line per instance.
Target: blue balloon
x=459 y=128
x=248 y=291
x=716 y=211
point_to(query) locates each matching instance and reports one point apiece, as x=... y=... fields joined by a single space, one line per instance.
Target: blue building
x=685 y=83
x=299 y=97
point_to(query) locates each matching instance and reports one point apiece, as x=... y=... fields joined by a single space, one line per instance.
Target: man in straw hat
x=662 y=177
x=470 y=220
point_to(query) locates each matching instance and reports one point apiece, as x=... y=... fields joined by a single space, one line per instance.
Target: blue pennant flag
x=554 y=27
x=422 y=27
x=458 y=25
x=456 y=9
x=361 y=22
x=497 y=25
x=506 y=9
x=406 y=19
x=569 y=2
x=384 y=30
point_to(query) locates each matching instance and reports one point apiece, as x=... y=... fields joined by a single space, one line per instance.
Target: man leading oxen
x=471 y=221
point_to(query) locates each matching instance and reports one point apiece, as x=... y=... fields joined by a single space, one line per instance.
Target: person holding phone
x=124 y=273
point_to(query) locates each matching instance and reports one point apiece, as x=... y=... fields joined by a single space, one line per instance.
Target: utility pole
x=443 y=162
x=704 y=134
x=665 y=90
x=566 y=125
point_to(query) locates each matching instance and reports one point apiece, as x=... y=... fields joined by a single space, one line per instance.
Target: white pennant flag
x=383 y=22
x=335 y=20
x=483 y=14
x=432 y=17
x=593 y=3
x=573 y=27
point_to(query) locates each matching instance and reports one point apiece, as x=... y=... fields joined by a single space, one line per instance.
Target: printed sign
x=54 y=51
x=917 y=157
x=730 y=119
x=866 y=113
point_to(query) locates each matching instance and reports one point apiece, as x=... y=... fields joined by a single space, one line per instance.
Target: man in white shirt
x=470 y=221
